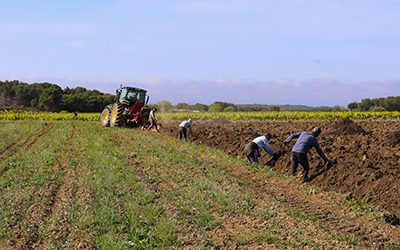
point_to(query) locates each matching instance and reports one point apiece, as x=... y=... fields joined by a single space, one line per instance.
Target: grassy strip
x=124 y=215
x=59 y=230
x=46 y=116
x=198 y=187
x=11 y=132
x=27 y=180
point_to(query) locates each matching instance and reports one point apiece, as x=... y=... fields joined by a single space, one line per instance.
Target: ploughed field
x=75 y=185
x=366 y=153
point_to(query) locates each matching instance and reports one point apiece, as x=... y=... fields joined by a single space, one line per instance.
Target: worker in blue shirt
x=305 y=141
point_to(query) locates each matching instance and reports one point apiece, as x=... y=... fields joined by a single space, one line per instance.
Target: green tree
x=164 y=106
x=215 y=107
x=220 y=106
x=50 y=97
x=182 y=105
x=352 y=106
x=273 y=108
x=200 y=107
x=230 y=109
x=365 y=104
x=377 y=109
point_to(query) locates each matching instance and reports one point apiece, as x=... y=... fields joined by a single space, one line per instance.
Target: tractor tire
x=117 y=118
x=105 y=117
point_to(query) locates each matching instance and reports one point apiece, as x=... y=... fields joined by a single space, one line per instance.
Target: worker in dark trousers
x=152 y=119
x=305 y=141
x=183 y=127
x=252 y=149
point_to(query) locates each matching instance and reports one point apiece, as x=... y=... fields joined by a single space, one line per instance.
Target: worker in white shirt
x=252 y=149
x=183 y=127
x=152 y=120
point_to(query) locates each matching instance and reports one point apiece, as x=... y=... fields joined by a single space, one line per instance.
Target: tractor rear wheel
x=117 y=119
x=105 y=117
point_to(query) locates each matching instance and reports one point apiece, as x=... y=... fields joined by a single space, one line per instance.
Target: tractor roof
x=134 y=89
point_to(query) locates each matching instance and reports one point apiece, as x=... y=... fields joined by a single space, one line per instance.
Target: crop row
x=226 y=115
x=284 y=115
x=49 y=116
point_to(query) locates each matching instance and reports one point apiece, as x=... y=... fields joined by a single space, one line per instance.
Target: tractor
x=129 y=109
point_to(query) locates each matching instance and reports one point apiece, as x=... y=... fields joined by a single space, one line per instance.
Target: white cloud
x=213 y=6
x=52 y=28
x=76 y=44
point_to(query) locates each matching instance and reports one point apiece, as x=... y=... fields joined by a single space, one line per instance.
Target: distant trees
x=352 y=106
x=51 y=97
x=222 y=107
x=391 y=103
x=200 y=107
x=83 y=100
x=183 y=106
x=164 y=106
x=187 y=107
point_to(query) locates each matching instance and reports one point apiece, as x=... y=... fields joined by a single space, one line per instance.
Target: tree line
x=391 y=103
x=219 y=106
x=51 y=97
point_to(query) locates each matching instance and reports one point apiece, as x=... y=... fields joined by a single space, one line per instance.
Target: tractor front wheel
x=105 y=117
x=117 y=119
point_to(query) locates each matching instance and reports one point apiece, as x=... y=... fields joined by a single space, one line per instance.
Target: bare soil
x=366 y=153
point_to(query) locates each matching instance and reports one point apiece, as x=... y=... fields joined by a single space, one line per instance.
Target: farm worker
x=152 y=119
x=183 y=127
x=252 y=149
x=305 y=141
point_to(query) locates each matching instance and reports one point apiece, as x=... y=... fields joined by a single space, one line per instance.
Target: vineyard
x=206 y=115
x=72 y=184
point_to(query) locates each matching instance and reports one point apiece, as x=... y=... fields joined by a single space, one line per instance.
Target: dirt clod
x=394 y=138
x=391 y=219
x=346 y=126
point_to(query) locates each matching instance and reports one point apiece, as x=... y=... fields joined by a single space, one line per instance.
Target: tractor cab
x=130 y=95
x=132 y=98
x=128 y=108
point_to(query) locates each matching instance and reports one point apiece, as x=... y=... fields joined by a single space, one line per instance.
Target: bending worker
x=305 y=141
x=252 y=149
x=152 y=119
x=183 y=127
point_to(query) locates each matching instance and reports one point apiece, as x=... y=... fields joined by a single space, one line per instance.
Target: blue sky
x=313 y=52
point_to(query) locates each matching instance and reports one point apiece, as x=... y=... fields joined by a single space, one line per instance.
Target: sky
x=312 y=52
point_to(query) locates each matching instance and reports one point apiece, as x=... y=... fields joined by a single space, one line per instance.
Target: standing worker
x=152 y=119
x=252 y=149
x=183 y=127
x=306 y=141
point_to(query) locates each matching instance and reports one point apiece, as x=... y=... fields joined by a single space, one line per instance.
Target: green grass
x=132 y=189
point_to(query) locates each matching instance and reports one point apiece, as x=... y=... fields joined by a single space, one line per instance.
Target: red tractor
x=128 y=109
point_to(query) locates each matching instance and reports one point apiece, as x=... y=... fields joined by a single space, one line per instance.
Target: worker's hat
x=316 y=131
